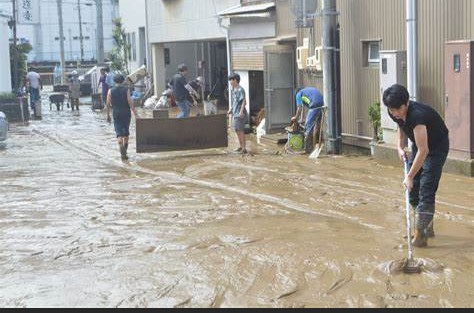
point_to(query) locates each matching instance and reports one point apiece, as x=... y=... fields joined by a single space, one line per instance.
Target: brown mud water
x=80 y=228
x=399 y=266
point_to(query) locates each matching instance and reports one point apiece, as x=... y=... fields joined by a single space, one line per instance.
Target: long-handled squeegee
x=411 y=265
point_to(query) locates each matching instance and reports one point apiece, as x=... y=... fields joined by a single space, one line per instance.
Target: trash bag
x=150 y=103
x=261 y=131
x=163 y=103
x=210 y=108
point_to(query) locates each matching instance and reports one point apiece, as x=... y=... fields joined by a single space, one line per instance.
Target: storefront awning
x=257 y=10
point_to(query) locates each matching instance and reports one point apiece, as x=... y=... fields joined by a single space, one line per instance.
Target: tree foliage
x=22 y=51
x=121 y=50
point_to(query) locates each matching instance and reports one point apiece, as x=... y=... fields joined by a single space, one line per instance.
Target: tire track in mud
x=213 y=185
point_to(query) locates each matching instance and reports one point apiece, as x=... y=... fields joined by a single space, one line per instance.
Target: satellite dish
x=303 y=8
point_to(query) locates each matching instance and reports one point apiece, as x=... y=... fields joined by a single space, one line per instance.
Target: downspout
x=229 y=56
x=149 y=60
x=412 y=48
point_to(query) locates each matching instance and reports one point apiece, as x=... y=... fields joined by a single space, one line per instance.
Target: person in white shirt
x=33 y=84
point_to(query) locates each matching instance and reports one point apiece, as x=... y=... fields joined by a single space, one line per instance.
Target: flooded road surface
x=80 y=228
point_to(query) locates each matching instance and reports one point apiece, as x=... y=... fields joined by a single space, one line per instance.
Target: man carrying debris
x=180 y=92
x=430 y=146
x=314 y=101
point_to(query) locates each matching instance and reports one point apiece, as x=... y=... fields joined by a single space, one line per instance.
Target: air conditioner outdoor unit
x=311 y=62
x=302 y=57
x=318 y=55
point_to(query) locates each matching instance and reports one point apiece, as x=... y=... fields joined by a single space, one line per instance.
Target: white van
x=3 y=127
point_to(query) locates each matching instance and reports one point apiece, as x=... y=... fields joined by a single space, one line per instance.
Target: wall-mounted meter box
x=302 y=54
x=393 y=70
x=459 y=98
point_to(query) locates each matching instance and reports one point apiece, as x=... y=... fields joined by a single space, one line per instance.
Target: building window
x=371 y=53
x=457 y=63
x=374 y=52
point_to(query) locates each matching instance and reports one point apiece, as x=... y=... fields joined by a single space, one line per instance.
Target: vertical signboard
x=28 y=11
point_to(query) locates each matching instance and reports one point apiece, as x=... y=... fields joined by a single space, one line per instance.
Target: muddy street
x=80 y=228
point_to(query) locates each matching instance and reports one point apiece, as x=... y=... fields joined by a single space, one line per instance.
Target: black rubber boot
x=126 y=151
x=430 y=233
x=123 y=154
x=420 y=240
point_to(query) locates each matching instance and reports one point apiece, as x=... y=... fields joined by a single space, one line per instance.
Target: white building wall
x=45 y=36
x=133 y=14
x=181 y=26
x=186 y=20
x=5 y=77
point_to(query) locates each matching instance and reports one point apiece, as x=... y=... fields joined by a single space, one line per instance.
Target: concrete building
x=39 y=25
x=188 y=31
x=5 y=78
x=263 y=44
x=134 y=17
x=368 y=27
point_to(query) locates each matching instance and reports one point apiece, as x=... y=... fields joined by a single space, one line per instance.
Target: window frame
x=370 y=44
x=367 y=49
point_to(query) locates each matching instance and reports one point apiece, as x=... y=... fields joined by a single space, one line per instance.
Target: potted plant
x=375 y=121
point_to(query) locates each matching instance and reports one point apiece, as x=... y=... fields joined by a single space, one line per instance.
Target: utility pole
x=81 y=37
x=329 y=20
x=61 y=40
x=100 y=33
x=15 y=49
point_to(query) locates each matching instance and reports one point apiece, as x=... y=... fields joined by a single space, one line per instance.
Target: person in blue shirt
x=313 y=100
x=110 y=78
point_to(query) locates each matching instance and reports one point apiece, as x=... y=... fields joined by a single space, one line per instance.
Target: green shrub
x=376 y=120
x=7 y=98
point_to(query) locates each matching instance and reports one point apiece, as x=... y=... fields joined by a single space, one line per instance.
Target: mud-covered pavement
x=80 y=228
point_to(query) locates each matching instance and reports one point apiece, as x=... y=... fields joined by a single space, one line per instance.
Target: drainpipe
x=229 y=56
x=412 y=47
x=149 y=58
x=329 y=26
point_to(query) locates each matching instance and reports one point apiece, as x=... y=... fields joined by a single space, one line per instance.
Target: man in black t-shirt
x=180 y=92
x=430 y=146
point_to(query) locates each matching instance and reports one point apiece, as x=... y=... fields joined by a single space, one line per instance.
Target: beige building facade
x=370 y=26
